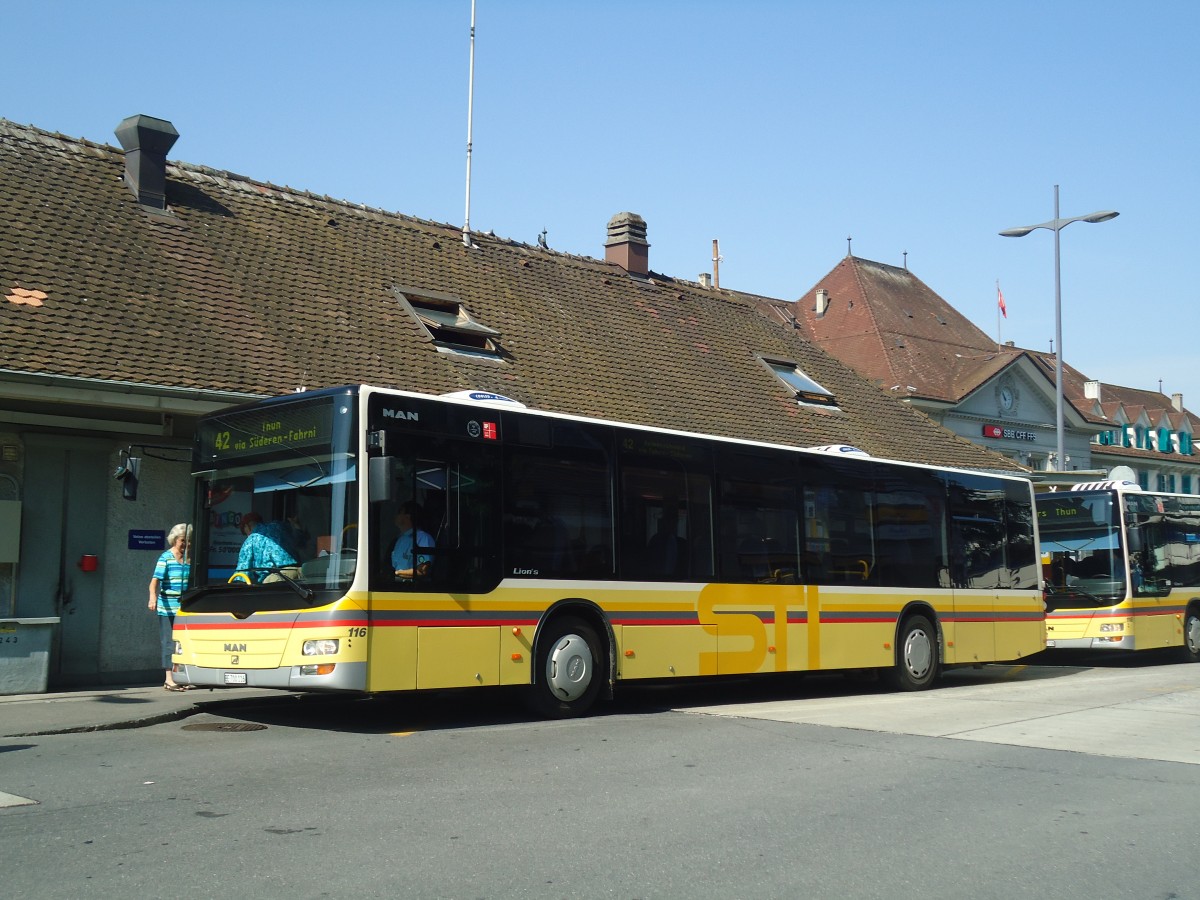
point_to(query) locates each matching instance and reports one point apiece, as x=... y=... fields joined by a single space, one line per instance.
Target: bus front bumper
x=1115 y=642
x=346 y=676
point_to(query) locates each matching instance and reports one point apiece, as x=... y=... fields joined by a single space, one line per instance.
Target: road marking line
x=14 y=800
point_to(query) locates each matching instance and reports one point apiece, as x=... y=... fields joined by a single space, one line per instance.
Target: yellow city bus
x=467 y=541
x=1121 y=568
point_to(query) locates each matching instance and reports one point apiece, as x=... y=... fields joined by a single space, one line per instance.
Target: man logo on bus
x=401 y=414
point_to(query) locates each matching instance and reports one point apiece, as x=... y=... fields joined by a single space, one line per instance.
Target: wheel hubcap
x=1192 y=634
x=569 y=668
x=918 y=653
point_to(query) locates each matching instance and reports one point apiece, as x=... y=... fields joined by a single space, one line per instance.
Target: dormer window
x=446 y=319
x=806 y=389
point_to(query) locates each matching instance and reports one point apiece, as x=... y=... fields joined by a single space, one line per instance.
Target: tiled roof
x=889 y=325
x=1133 y=402
x=249 y=287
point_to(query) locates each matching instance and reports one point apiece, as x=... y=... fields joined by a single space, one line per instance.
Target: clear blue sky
x=779 y=128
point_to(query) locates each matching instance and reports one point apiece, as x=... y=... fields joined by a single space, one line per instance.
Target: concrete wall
x=129 y=631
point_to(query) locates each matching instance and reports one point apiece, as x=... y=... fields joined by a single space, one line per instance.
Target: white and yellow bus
x=570 y=554
x=1121 y=567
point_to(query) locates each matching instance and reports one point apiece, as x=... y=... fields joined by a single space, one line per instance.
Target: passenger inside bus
x=1062 y=569
x=666 y=551
x=268 y=550
x=1096 y=565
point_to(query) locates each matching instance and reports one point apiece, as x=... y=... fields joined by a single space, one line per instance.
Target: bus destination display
x=271 y=429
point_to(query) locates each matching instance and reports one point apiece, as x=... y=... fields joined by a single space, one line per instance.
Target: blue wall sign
x=147 y=540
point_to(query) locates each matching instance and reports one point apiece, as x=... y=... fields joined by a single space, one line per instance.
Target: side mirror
x=1133 y=537
x=381 y=472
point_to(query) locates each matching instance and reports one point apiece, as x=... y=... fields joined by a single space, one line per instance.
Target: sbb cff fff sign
x=1012 y=434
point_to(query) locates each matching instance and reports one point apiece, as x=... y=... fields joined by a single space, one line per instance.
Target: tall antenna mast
x=470 y=103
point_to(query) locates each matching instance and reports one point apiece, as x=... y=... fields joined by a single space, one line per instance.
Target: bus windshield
x=1082 y=557
x=277 y=502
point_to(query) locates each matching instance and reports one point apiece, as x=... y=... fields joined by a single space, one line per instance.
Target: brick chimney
x=626 y=245
x=146 y=141
x=822 y=303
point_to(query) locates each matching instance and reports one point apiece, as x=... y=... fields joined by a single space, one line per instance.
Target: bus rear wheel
x=916 y=665
x=570 y=671
x=1191 y=634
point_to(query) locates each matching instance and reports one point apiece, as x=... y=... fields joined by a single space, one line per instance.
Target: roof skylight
x=807 y=389
x=448 y=322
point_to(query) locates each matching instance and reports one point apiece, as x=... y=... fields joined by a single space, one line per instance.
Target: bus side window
x=454 y=484
x=558 y=516
x=758 y=520
x=839 y=519
x=665 y=497
x=977 y=510
x=909 y=539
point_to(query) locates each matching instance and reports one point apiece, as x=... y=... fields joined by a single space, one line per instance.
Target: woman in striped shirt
x=170 y=578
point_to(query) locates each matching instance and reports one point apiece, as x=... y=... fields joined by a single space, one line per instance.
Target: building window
x=1185 y=484
x=446 y=319
x=1185 y=443
x=1144 y=481
x=1164 y=440
x=806 y=389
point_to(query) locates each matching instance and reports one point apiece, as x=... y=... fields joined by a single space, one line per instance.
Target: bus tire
x=917 y=655
x=1191 y=634
x=570 y=669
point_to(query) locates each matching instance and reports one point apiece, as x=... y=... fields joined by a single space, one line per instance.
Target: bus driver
x=403 y=562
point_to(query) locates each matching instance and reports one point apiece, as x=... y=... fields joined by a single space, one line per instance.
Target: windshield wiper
x=1060 y=590
x=306 y=593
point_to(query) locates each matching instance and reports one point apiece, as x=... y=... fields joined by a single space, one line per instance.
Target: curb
x=155 y=718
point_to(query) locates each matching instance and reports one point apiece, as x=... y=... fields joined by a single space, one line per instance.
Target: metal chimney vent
x=146 y=141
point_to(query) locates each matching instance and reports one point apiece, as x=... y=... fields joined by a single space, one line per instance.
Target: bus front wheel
x=569 y=669
x=916 y=664
x=1191 y=634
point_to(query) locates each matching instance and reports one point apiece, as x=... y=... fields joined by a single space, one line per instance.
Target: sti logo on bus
x=401 y=414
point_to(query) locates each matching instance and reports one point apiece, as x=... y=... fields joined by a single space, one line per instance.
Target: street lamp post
x=1056 y=225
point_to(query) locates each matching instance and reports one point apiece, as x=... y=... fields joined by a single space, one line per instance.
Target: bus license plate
x=235 y=677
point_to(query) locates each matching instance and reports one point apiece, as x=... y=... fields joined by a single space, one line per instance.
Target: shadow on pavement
x=473 y=708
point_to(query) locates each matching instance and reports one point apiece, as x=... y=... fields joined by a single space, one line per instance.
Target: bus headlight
x=1107 y=627
x=178 y=648
x=323 y=647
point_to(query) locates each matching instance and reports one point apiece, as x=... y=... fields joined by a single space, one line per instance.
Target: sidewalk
x=27 y=715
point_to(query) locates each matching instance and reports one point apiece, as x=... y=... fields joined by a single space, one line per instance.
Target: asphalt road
x=1067 y=781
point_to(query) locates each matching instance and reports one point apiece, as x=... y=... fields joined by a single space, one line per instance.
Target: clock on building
x=1006 y=395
